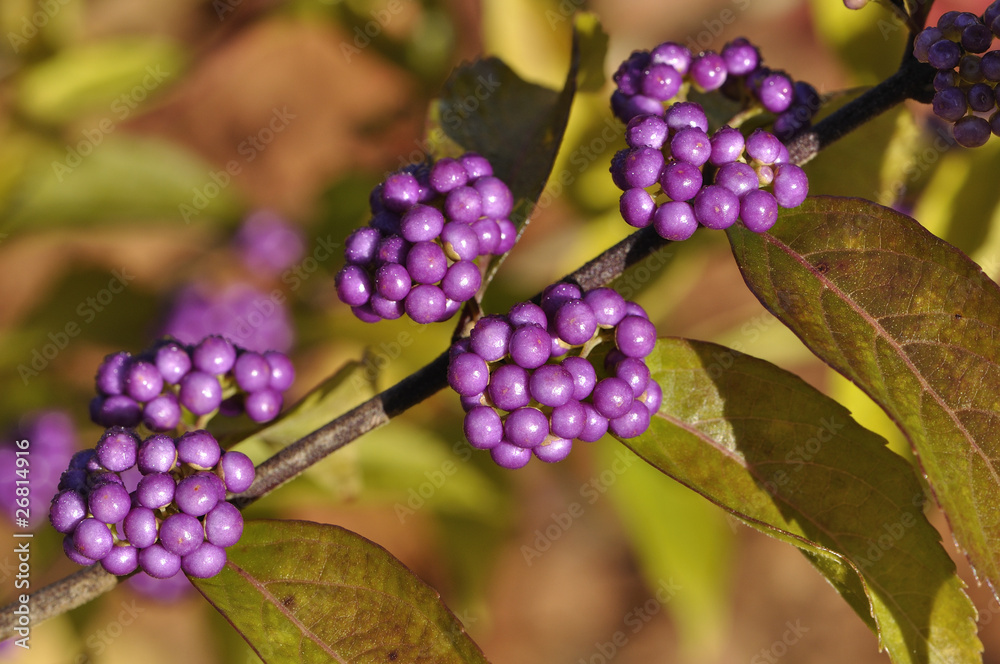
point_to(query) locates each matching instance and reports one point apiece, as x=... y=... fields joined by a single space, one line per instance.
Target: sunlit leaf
x=307 y=592
x=775 y=452
x=914 y=323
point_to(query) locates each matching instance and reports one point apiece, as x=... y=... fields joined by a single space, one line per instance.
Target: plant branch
x=90 y=582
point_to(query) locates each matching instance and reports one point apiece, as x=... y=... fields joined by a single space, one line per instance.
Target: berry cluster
x=711 y=181
x=154 y=386
x=649 y=81
x=429 y=224
x=527 y=385
x=968 y=72
x=176 y=516
x=51 y=440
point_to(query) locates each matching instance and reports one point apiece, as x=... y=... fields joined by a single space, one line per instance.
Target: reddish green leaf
x=789 y=461
x=309 y=592
x=915 y=323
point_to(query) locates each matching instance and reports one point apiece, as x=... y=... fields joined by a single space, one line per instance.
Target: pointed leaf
x=775 y=452
x=915 y=324
x=310 y=592
x=486 y=107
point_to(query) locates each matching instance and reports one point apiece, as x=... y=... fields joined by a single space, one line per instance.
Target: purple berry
x=200 y=392
x=251 y=371
x=426 y=303
x=635 y=336
x=460 y=241
x=574 y=322
x=156 y=490
x=691 y=145
x=214 y=355
x=775 y=93
x=584 y=376
x=354 y=286
x=510 y=456
x=763 y=146
x=196 y=495
x=673 y=54
x=632 y=423
x=198 y=449
x=117 y=448
x=550 y=385
x=759 y=210
x=738 y=178
x=181 y=533
x=716 y=207
x=468 y=374
x=595 y=425
x=109 y=503
x=157 y=454
x=634 y=372
x=92 y=539
x=490 y=337
x=400 y=191
x=642 y=167
x=686 y=114
x=527 y=313
x=497 y=201
x=681 y=181
x=708 y=71
x=140 y=527
x=117 y=410
x=661 y=82
x=162 y=413
x=608 y=306
x=476 y=166
x=971 y=132
x=646 y=131
x=526 y=427
x=530 y=346
x=223 y=525
x=488 y=233
x=123 y=559
x=361 y=246
x=727 y=146
x=675 y=220
x=67 y=510
x=464 y=204
x=263 y=405
x=567 y=420
x=447 y=174
x=158 y=562
x=554 y=451
x=204 y=562
x=237 y=471
x=508 y=388
x=483 y=427
x=462 y=281
x=653 y=396
x=111 y=374
x=944 y=54
x=741 y=57
x=143 y=381
x=637 y=207
x=791 y=185
x=282 y=371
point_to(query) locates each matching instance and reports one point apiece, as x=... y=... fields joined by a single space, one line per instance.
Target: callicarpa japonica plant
x=706 y=145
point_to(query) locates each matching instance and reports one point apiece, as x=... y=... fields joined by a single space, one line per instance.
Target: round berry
x=67 y=510
x=584 y=376
x=109 y=503
x=759 y=210
x=675 y=220
x=156 y=490
x=200 y=392
x=595 y=425
x=508 y=388
x=635 y=336
x=140 y=527
x=483 y=427
x=251 y=371
x=447 y=174
x=204 y=562
x=157 y=454
x=530 y=346
x=426 y=304
x=123 y=559
x=198 y=449
x=143 y=381
x=196 y=495
x=490 y=337
x=223 y=525
x=633 y=423
x=282 y=371
x=162 y=413
x=554 y=450
x=92 y=539
x=681 y=181
x=510 y=456
x=791 y=185
x=158 y=562
x=237 y=471
x=181 y=533
x=263 y=405
x=214 y=355
x=116 y=451
x=567 y=420
x=716 y=207
x=550 y=385
x=468 y=374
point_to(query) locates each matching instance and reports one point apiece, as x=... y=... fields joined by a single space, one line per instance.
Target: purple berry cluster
x=968 y=72
x=526 y=383
x=676 y=177
x=429 y=224
x=155 y=386
x=649 y=81
x=29 y=480
x=175 y=518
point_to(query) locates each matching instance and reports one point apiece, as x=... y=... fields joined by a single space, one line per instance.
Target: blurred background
x=149 y=150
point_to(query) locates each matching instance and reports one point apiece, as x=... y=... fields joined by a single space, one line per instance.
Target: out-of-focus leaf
x=307 y=592
x=913 y=322
x=677 y=535
x=869 y=42
x=593 y=48
x=761 y=443
x=106 y=77
x=120 y=178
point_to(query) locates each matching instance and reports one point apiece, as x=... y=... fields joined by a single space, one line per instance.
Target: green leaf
x=913 y=322
x=307 y=592
x=108 y=77
x=764 y=445
x=486 y=107
x=120 y=178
